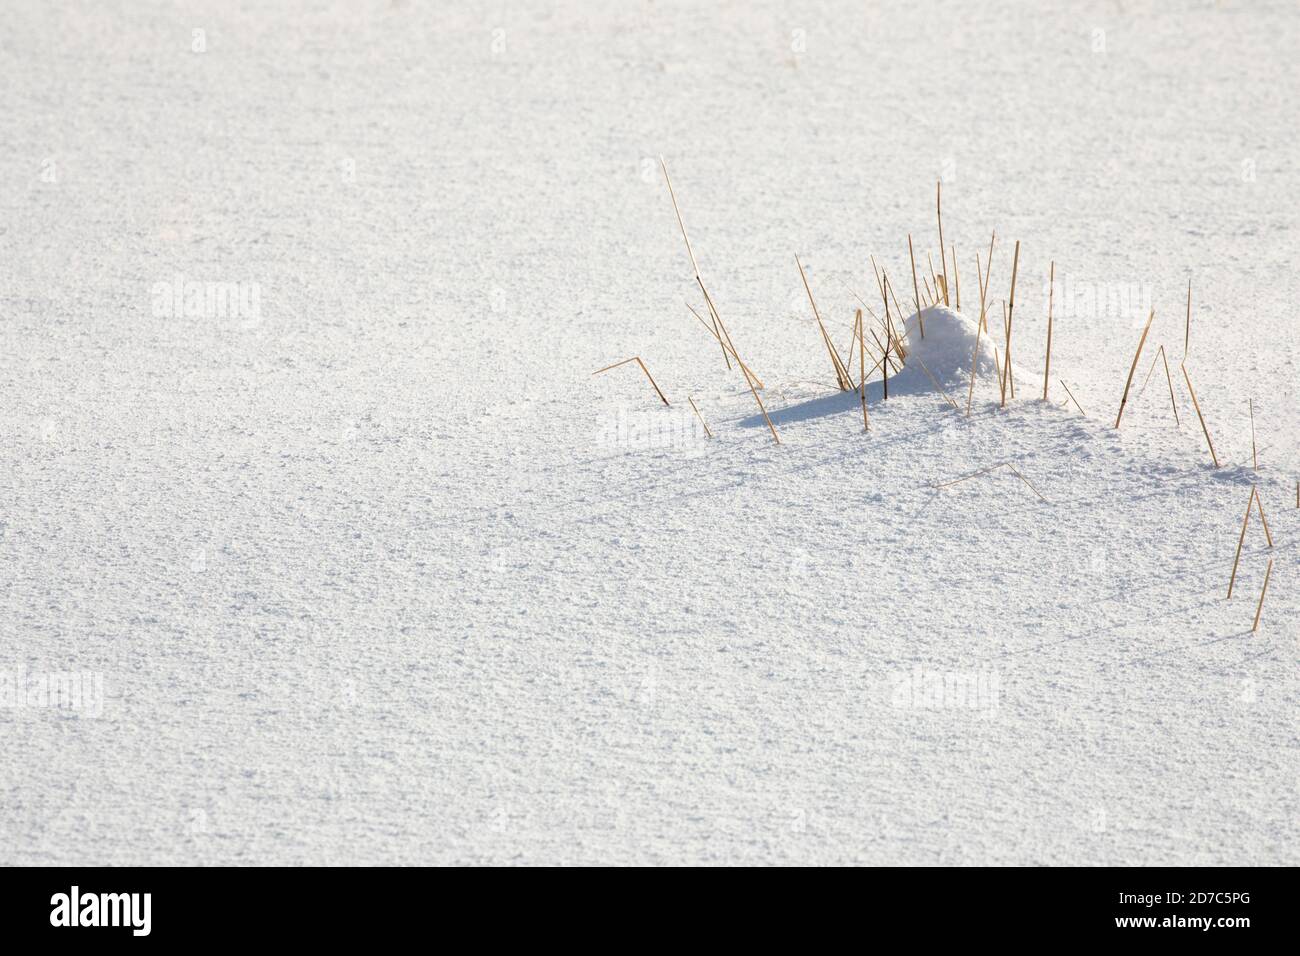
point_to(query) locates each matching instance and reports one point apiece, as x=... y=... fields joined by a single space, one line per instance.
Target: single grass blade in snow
x=726 y=346
x=988 y=265
x=956 y=277
x=1006 y=354
x=884 y=361
x=1197 y=405
x=984 y=471
x=1072 y=398
x=862 y=373
x=680 y=222
x=841 y=375
x=700 y=417
x=916 y=290
x=1051 y=291
x=1241 y=540
x=749 y=380
x=1262 y=591
x=1011 y=317
x=750 y=377
x=720 y=345
x=1259 y=503
x=1132 y=368
x=943 y=260
x=1254 y=454
x=637 y=359
x=979 y=327
x=1168 y=378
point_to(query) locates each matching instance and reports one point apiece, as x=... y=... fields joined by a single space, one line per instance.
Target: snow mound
x=946 y=349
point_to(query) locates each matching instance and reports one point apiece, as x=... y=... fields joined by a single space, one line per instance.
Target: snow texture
x=305 y=464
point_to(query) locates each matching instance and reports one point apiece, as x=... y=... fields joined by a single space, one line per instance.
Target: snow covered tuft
x=945 y=351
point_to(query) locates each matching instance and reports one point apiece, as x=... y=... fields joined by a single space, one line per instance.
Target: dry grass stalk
x=956 y=277
x=699 y=416
x=1006 y=355
x=988 y=265
x=726 y=346
x=1254 y=454
x=749 y=378
x=680 y=222
x=884 y=361
x=637 y=359
x=1011 y=317
x=720 y=345
x=916 y=290
x=1259 y=504
x=934 y=381
x=984 y=471
x=714 y=332
x=1151 y=371
x=1187 y=333
x=1051 y=291
x=1241 y=540
x=1072 y=398
x=841 y=374
x=943 y=259
x=1197 y=405
x=898 y=309
x=1142 y=341
x=1169 y=378
x=979 y=328
x=1264 y=590
x=862 y=373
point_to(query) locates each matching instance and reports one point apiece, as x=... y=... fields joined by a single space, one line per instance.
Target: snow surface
x=382 y=574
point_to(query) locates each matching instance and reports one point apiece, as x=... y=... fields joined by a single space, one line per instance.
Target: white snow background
x=375 y=571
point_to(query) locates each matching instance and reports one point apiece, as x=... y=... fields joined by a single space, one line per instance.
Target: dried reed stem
x=637 y=359
x=956 y=277
x=1264 y=590
x=680 y=222
x=1051 y=291
x=862 y=373
x=943 y=259
x=1168 y=378
x=724 y=342
x=1241 y=540
x=1124 y=400
x=985 y=471
x=916 y=290
x=1259 y=503
x=1011 y=317
x=979 y=328
x=1071 y=394
x=1197 y=405
x=988 y=266
x=1254 y=454
x=700 y=417
x=841 y=375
